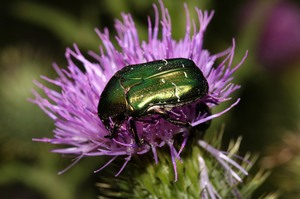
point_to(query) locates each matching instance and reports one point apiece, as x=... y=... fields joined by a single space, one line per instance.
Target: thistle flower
x=74 y=109
x=279 y=44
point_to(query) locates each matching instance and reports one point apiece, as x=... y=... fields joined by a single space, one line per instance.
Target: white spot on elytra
x=166 y=62
x=176 y=91
x=185 y=74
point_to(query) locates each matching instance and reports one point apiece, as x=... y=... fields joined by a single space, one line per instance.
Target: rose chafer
x=152 y=88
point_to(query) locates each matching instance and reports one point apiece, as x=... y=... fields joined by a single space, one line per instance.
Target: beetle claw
x=109 y=136
x=140 y=142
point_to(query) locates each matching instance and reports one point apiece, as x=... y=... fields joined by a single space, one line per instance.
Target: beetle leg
x=132 y=128
x=151 y=120
x=114 y=132
x=171 y=120
x=177 y=122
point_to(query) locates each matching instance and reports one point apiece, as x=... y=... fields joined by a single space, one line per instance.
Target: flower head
x=279 y=44
x=74 y=109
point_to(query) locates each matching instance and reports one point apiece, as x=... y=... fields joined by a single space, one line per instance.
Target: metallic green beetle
x=150 y=88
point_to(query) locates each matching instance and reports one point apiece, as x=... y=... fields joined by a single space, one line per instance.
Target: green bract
x=150 y=88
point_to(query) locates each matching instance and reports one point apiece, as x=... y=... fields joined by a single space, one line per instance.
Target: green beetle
x=150 y=88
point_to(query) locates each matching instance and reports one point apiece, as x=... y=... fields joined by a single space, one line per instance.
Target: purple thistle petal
x=124 y=165
x=224 y=160
x=174 y=155
x=108 y=163
x=207 y=118
x=207 y=189
x=76 y=160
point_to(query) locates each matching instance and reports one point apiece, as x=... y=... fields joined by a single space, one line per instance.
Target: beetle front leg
x=132 y=128
x=114 y=132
